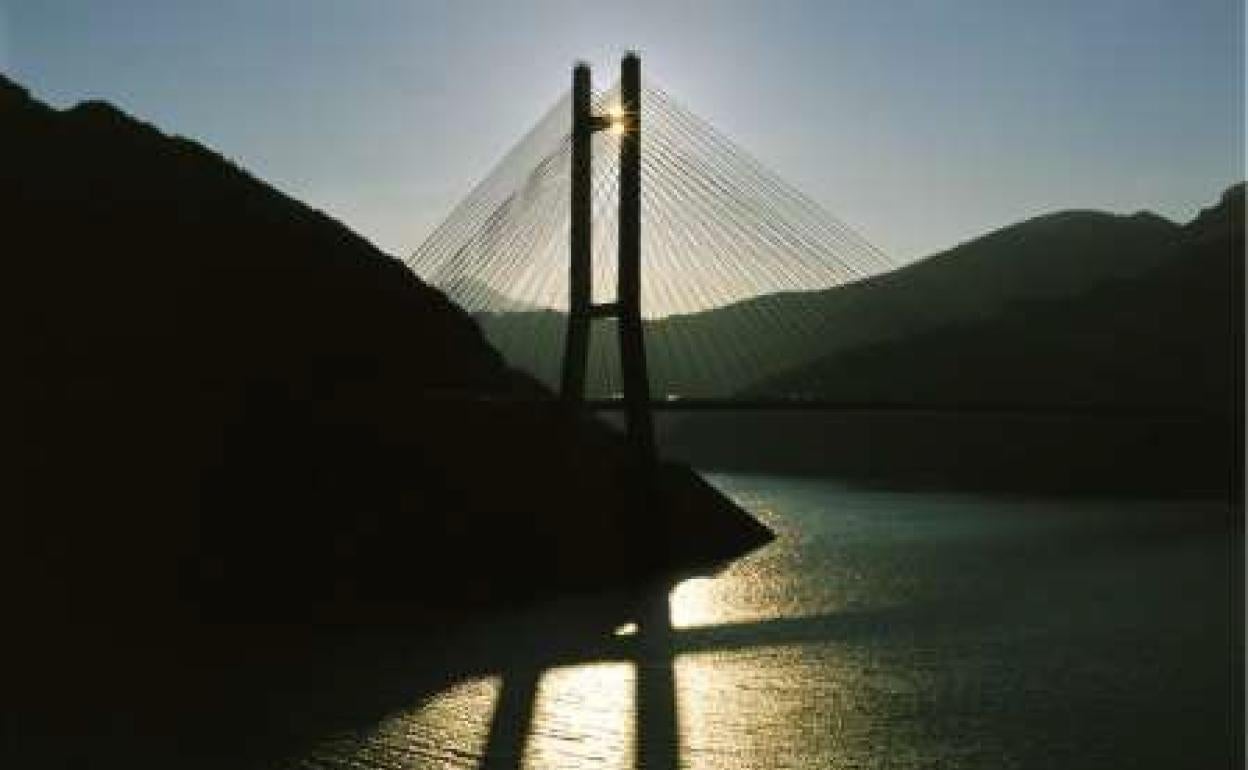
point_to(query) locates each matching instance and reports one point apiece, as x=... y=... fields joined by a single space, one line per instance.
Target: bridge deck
x=819 y=405
x=1112 y=411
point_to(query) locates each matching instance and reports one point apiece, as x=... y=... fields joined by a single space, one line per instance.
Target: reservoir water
x=881 y=629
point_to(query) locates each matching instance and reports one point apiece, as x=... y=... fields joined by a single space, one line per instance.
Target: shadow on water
x=657 y=727
x=246 y=696
x=651 y=645
x=651 y=649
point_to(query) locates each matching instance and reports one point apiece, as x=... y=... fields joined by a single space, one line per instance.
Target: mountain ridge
x=727 y=350
x=1177 y=248
x=227 y=399
x=1132 y=385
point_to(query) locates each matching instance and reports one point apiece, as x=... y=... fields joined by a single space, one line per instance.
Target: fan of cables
x=733 y=258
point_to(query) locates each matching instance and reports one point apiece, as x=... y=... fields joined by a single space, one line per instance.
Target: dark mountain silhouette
x=1161 y=334
x=224 y=397
x=1152 y=323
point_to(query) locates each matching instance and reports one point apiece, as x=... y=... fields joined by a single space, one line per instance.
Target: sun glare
x=616 y=117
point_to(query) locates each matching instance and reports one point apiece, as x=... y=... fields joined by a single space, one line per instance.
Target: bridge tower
x=627 y=306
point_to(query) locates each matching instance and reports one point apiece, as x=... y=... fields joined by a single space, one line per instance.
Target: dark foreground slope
x=226 y=398
x=231 y=420
x=1163 y=339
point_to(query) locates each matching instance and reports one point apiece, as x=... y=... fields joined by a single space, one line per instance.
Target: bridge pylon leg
x=580 y=287
x=632 y=340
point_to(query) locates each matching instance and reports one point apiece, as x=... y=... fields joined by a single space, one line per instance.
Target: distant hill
x=222 y=395
x=1144 y=315
x=1162 y=330
x=726 y=351
x=1075 y=311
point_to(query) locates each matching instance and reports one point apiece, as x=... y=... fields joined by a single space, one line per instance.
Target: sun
x=617 y=120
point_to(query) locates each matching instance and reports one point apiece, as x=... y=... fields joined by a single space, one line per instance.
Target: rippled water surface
x=880 y=630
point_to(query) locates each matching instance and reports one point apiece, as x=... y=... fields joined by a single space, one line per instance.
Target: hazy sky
x=920 y=122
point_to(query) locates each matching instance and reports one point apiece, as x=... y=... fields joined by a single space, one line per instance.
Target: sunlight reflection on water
x=693 y=603
x=583 y=717
x=879 y=631
x=449 y=729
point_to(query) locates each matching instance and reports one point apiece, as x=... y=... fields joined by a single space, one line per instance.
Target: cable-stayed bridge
x=595 y=254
